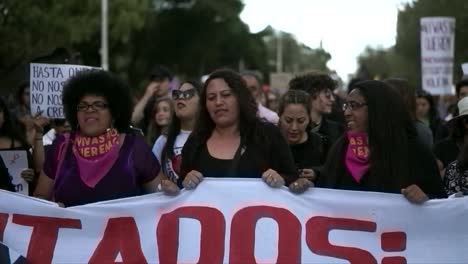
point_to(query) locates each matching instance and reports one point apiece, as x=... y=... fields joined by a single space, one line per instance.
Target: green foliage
x=191 y=37
x=403 y=60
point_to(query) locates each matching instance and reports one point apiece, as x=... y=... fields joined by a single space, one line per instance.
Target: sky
x=345 y=27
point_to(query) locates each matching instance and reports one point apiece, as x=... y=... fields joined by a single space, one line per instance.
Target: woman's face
x=355 y=111
x=293 y=123
x=186 y=101
x=422 y=107
x=221 y=103
x=162 y=116
x=323 y=102
x=94 y=116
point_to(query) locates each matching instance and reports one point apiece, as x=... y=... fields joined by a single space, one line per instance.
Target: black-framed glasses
x=96 y=106
x=353 y=105
x=183 y=95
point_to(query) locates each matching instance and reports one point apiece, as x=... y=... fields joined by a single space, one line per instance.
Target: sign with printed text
x=437 y=53
x=16 y=161
x=239 y=221
x=46 y=86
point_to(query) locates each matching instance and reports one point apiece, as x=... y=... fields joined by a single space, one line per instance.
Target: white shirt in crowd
x=267 y=114
x=172 y=167
x=49 y=137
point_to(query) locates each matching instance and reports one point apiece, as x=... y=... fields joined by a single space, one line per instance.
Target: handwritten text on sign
x=16 y=161
x=437 y=51
x=47 y=82
x=239 y=221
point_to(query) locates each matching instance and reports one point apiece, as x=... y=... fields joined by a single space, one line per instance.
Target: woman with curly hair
x=380 y=152
x=100 y=159
x=230 y=140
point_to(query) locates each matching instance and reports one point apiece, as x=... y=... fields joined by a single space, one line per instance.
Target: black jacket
x=423 y=172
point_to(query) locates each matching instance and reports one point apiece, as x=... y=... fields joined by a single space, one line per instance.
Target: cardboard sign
x=16 y=161
x=46 y=86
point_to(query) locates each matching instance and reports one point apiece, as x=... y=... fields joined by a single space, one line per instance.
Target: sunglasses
x=183 y=95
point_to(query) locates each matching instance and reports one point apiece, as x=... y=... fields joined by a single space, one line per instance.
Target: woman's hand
x=309 y=174
x=272 y=178
x=192 y=179
x=169 y=187
x=414 y=194
x=28 y=175
x=300 y=185
x=40 y=122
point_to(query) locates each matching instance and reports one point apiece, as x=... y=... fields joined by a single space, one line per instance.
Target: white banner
x=46 y=85
x=16 y=161
x=437 y=52
x=239 y=221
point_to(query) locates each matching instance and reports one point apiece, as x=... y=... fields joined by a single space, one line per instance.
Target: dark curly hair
x=247 y=106
x=313 y=83
x=99 y=83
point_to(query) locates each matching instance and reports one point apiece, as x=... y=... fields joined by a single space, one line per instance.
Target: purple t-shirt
x=135 y=166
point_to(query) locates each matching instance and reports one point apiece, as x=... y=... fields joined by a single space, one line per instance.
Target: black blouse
x=272 y=153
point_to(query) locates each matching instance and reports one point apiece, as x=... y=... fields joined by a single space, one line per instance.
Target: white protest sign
x=16 y=161
x=465 y=69
x=437 y=52
x=280 y=81
x=46 y=85
x=239 y=221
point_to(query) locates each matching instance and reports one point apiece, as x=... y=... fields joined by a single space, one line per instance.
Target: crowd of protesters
x=383 y=136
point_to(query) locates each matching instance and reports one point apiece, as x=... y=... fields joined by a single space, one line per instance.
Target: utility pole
x=104 y=36
x=279 y=52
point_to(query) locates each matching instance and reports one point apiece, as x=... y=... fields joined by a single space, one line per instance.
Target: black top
x=310 y=154
x=423 y=170
x=446 y=151
x=272 y=153
x=5 y=178
x=330 y=131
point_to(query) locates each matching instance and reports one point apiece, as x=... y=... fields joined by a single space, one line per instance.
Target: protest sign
x=437 y=52
x=46 y=86
x=16 y=161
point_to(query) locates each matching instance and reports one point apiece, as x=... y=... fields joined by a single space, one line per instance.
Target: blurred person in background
x=163 y=109
x=305 y=146
x=426 y=112
x=254 y=84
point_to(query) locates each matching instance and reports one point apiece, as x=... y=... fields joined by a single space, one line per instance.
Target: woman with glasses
x=99 y=160
x=168 y=148
x=230 y=140
x=380 y=151
x=306 y=147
